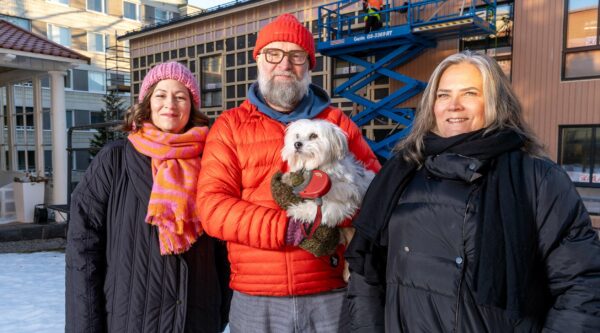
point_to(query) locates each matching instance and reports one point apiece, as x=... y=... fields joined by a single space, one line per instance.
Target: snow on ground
x=32 y=292
x=32 y=289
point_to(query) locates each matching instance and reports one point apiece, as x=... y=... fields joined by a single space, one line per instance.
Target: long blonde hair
x=502 y=107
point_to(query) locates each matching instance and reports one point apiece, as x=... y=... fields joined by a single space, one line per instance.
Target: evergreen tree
x=113 y=111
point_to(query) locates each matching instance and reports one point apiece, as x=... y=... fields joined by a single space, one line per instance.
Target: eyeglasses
x=275 y=56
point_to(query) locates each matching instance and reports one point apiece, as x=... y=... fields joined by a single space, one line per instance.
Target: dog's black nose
x=297 y=144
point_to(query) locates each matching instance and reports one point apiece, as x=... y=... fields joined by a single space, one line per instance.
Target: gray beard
x=284 y=95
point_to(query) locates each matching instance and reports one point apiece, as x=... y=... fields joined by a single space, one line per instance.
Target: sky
x=579 y=4
x=208 y=3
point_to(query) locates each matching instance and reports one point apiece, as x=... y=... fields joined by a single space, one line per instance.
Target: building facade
x=89 y=28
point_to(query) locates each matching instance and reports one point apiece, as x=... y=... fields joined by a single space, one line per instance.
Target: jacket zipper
x=464 y=262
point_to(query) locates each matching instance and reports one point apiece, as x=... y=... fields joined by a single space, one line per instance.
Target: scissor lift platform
x=426 y=22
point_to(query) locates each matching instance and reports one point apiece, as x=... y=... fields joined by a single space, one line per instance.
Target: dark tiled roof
x=16 y=38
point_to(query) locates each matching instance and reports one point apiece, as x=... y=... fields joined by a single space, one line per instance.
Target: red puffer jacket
x=242 y=153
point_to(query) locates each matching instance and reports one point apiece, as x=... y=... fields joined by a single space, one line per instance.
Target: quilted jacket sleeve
x=224 y=214
x=86 y=244
x=571 y=251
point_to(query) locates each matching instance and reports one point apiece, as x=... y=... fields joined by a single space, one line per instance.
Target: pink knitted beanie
x=175 y=71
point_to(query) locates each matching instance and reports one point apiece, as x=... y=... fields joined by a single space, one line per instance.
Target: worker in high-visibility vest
x=373 y=18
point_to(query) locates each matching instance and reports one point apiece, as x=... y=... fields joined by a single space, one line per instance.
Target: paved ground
x=32 y=237
x=35 y=245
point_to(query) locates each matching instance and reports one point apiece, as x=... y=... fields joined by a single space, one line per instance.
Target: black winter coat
x=116 y=279
x=430 y=254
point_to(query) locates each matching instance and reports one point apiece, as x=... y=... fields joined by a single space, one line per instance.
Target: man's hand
x=282 y=192
x=324 y=241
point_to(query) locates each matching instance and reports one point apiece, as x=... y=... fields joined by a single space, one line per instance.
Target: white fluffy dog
x=319 y=144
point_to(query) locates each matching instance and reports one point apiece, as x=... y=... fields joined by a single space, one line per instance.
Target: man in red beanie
x=278 y=286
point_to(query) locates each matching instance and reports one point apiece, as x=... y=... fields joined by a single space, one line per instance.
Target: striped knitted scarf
x=175 y=169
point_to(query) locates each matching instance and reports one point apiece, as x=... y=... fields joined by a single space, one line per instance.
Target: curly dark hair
x=139 y=113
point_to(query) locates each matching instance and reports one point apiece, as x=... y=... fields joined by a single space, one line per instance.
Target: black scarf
x=506 y=237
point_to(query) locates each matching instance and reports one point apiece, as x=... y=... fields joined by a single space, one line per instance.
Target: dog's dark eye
x=312 y=136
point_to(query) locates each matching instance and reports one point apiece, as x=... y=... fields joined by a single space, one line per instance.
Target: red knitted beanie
x=286 y=28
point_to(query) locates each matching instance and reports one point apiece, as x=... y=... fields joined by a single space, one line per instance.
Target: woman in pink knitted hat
x=137 y=257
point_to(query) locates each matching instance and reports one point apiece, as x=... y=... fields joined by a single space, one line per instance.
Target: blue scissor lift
x=423 y=23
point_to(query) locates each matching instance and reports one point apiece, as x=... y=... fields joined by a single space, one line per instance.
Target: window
x=82 y=117
x=46 y=123
x=97 y=5
x=498 y=46
x=252 y=73
x=230 y=60
x=116 y=79
x=162 y=16
x=318 y=64
x=18 y=21
x=241 y=42
x=131 y=11
x=45 y=81
x=579 y=154
x=63 y=2
x=24 y=117
x=69 y=116
x=241 y=58
x=48 y=160
x=60 y=35
x=80 y=80
x=581 y=50
x=26 y=160
x=241 y=74
x=211 y=84
x=230 y=44
x=343 y=70
x=68 y=79
x=82 y=160
x=96 y=81
x=96 y=117
x=96 y=42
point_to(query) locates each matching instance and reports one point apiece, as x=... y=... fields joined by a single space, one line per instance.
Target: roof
x=13 y=37
x=215 y=10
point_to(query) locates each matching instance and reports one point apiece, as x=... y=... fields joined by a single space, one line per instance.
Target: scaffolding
x=407 y=29
x=117 y=68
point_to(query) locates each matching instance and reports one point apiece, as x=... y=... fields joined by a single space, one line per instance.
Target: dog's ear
x=288 y=152
x=338 y=141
